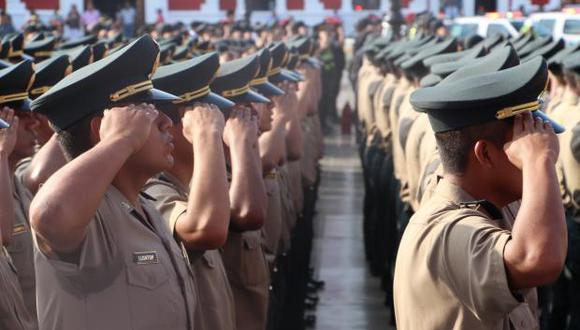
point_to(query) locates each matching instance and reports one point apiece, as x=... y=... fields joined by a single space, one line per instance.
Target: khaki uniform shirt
x=309 y=160
x=216 y=307
x=13 y=313
x=21 y=246
x=450 y=271
x=364 y=100
x=407 y=116
x=420 y=128
x=289 y=213
x=567 y=103
x=383 y=100
x=365 y=72
x=247 y=272
x=399 y=95
x=272 y=229
x=130 y=274
x=569 y=166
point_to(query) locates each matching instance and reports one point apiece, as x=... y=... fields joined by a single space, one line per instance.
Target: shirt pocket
x=254 y=269
x=149 y=276
x=208 y=261
x=522 y=318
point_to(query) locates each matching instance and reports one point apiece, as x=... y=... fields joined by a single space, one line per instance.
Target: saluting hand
x=202 y=118
x=8 y=135
x=532 y=140
x=286 y=104
x=242 y=127
x=131 y=124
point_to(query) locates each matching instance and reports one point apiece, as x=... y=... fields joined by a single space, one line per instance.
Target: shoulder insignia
x=487 y=206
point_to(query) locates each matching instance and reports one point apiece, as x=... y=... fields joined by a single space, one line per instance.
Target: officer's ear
x=95 y=126
x=485 y=153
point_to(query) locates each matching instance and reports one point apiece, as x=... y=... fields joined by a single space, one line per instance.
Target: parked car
x=565 y=25
x=484 y=26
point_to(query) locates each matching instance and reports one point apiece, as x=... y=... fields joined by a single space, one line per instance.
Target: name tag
x=19 y=229
x=145 y=258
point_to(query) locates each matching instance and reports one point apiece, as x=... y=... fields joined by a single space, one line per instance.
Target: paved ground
x=352 y=299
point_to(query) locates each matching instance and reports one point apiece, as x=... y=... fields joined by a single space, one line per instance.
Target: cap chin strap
x=193 y=95
x=13 y=97
x=131 y=90
x=517 y=109
x=236 y=92
x=259 y=81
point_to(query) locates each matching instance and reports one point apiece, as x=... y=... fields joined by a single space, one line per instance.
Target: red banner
x=185 y=4
x=227 y=4
x=540 y=2
x=41 y=4
x=331 y=4
x=295 y=4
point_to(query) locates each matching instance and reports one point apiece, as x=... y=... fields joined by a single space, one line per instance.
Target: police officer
x=104 y=254
x=476 y=267
x=193 y=196
x=15 y=314
x=242 y=254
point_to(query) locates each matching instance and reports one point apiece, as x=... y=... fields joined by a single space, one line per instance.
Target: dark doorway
x=110 y=7
x=485 y=6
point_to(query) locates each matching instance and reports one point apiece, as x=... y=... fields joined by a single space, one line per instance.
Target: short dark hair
x=76 y=139
x=455 y=146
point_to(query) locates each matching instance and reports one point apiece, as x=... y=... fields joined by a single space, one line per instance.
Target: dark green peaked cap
x=279 y=56
x=448 y=57
x=430 y=80
x=415 y=63
x=79 y=57
x=485 y=98
x=15 y=81
x=233 y=80
x=492 y=41
x=40 y=49
x=99 y=50
x=533 y=46
x=548 y=50
x=555 y=62
x=48 y=73
x=82 y=41
x=120 y=78
x=445 y=69
x=190 y=80
x=497 y=60
x=260 y=83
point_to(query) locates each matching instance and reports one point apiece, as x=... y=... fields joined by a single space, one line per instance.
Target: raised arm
x=83 y=181
x=536 y=253
x=247 y=191
x=205 y=223
x=45 y=162
x=294 y=138
x=7 y=143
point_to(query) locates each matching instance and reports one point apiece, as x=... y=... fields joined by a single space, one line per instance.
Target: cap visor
x=23 y=105
x=281 y=77
x=3 y=124
x=268 y=89
x=250 y=97
x=154 y=96
x=221 y=102
x=558 y=129
x=294 y=74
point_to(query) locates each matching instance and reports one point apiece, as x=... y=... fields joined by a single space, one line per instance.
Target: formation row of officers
x=472 y=191
x=136 y=195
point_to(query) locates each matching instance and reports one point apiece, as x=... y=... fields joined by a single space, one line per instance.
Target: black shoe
x=309 y=321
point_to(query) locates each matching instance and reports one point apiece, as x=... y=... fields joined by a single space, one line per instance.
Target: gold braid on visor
x=131 y=90
x=193 y=95
x=236 y=92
